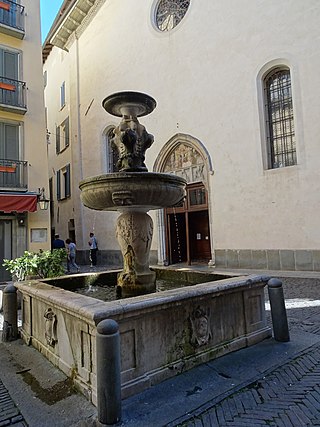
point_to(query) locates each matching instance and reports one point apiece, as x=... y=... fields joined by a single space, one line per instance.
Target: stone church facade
x=237 y=117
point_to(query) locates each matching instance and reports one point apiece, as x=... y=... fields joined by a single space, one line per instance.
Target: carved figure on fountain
x=131 y=140
x=135 y=230
x=128 y=275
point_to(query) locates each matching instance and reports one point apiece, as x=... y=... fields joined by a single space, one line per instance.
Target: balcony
x=13 y=174
x=12 y=95
x=12 y=19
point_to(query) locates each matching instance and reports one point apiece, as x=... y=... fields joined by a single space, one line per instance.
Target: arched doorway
x=186 y=229
x=188 y=233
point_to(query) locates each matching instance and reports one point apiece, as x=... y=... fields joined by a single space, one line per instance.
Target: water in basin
x=109 y=293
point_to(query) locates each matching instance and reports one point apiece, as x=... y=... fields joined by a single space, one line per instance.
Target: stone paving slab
x=41 y=392
x=177 y=399
x=288 y=396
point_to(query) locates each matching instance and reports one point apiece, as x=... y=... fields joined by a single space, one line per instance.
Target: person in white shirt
x=71 y=255
x=93 y=249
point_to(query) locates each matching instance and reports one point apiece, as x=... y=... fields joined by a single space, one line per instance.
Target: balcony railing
x=12 y=95
x=12 y=18
x=13 y=174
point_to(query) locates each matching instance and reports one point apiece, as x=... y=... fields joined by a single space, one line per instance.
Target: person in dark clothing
x=58 y=243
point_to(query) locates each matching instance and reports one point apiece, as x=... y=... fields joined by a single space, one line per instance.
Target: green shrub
x=43 y=264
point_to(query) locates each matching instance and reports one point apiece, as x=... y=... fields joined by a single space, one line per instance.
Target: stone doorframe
x=185 y=156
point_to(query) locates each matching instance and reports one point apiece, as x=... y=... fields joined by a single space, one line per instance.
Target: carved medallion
x=200 y=327
x=50 y=327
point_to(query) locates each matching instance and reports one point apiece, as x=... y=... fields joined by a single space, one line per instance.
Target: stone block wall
x=269 y=259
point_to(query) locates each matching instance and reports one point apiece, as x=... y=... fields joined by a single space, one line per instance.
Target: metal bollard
x=108 y=372
x=278 y=311
x=10 y=314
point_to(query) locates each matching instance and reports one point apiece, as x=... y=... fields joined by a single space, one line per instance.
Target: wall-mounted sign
x=39 y=235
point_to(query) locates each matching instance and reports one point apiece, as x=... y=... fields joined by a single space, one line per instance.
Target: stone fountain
x=132 y=191
x=162 y=333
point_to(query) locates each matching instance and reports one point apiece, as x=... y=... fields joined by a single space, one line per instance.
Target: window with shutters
x=10 y=144
x=62 y=136
x=58 y=178
x=13 y=170
x=12 y=90
x=63 y=95
x=63 y=178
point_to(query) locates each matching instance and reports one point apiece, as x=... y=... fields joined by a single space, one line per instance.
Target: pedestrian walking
x=93 y=249
x=58 y=243
x=71 y=256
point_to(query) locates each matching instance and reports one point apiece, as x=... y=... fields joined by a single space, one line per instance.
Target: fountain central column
x=132 y=191
x=134 y=233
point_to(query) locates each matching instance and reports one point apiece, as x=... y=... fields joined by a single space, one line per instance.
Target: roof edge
x=63 y=11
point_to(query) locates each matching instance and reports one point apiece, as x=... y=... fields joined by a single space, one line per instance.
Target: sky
x=48 y=12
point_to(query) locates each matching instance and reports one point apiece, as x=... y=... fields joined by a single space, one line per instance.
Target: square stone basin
x=162 y=334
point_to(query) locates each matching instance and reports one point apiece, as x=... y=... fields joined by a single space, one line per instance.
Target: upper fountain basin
x=135 y=104
x=132 y=191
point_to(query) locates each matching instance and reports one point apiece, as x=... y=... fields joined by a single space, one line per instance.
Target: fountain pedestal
x=132 y=191
x=134 y=233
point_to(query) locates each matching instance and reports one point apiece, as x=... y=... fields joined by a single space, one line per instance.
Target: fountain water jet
x=132 y=191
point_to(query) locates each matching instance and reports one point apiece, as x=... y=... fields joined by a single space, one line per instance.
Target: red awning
x=18 y=202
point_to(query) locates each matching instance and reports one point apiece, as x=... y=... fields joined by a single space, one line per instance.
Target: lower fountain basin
x=132 y=191
x=162 y=334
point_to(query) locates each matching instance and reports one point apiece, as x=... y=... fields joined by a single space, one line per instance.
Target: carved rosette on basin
x=132 y=191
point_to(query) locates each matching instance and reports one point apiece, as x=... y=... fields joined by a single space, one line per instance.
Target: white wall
x=205 y=78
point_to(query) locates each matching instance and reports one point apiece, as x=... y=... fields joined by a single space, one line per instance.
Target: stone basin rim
x=132 y=177
x=145 y=190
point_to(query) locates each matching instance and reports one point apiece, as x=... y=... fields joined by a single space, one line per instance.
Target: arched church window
x=281 y=142
x=169 y=13
x=111 y=153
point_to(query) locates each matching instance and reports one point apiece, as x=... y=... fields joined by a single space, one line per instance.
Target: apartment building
x=24 y=191
x=237 y=116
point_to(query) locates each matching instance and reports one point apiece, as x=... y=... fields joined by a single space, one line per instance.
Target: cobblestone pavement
x=289 y=395
x=9 y=413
